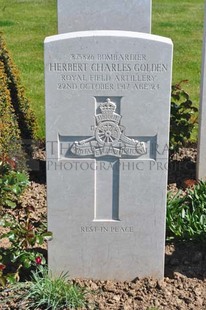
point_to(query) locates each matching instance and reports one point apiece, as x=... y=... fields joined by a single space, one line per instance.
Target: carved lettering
x=74 y=78
x=121 y=57
x=104 y=229
x=145 y=86
x=68 y=67
x=150 y=67
x=82 y=57
x=102 y=67
x=108 y=72
x=101 y=86
x=135 y=78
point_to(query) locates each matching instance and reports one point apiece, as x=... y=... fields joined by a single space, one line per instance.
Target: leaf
x=12 y=278
x=39 y=239
x=10 y=203
x=183 y=213
x=16 y=189
x=26 y=263
x=2 y=281
x=11 y=235
x=47 y=235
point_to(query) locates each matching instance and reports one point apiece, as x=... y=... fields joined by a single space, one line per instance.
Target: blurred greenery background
x=25 y=24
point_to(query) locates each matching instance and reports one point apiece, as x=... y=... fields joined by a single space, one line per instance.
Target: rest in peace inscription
x=108 y=229
x=108 y=72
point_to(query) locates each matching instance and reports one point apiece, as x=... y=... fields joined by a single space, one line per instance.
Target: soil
x=184 y=284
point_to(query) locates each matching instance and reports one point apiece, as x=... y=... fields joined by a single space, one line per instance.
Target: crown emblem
x=108 y=112
x=107 y=106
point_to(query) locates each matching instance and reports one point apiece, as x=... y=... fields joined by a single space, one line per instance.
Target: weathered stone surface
x=107 y=123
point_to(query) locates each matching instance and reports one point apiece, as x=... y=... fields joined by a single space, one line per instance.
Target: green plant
x=25 y=116
x=182 y=118
x=12 y=182
x=10 y=141
x=20 y=228
x=186 y=213
x=49 y=292
x=21 y=257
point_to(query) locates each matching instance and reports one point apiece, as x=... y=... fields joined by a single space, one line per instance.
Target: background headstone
x=81 y=15
x=201 y=154
x=107 y=127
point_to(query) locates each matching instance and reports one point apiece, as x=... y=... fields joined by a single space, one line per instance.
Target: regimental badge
x=109 y=137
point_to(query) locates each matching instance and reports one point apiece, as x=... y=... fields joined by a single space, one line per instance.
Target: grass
x=182 y=21
x=25 y=24
x=45 y=291
x=186 y=213
x=53 y=293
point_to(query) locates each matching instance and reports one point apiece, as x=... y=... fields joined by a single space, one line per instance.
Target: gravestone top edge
x=95 y=15
x=107 y=33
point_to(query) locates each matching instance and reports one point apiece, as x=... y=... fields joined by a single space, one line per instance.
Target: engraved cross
x=107 y=146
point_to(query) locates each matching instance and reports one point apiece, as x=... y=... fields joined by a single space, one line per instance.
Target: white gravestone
x=107 y=125
x=201 y=154
x=81 y=15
